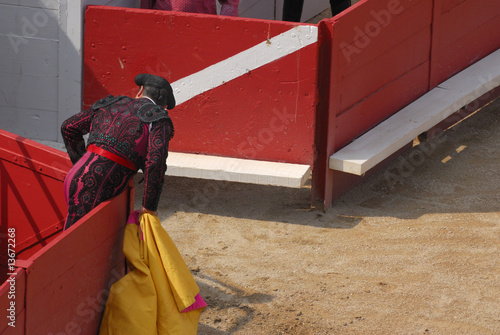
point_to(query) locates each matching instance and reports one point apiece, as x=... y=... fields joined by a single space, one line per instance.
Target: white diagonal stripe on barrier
x=233 y=67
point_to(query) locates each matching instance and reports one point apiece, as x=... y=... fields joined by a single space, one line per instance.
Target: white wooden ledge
x=237 y=170
x=401 y=128
x=229 y=169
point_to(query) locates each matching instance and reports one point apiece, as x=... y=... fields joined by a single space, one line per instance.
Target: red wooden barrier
x=31 y=178
x=75 y=272
x=267 y=113
x=61 y=279
x=379 y=63
x=463 y=33
x=384 y=55
x=370 y=61
x=12 y=303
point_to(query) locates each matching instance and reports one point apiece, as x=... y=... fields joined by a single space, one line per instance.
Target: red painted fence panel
x=369 y=62
x=60 y=280
x=75 y=272
x=31 y=178
x=375 y=44
x=379 y=63
x=12 y=293
x=266 y=113
x=384 y=55
x=463 y=32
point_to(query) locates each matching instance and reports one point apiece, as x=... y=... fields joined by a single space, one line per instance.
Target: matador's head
x=157 y=88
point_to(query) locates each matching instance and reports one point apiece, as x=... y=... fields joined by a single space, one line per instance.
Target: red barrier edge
x=393 y=93
x=88 y=255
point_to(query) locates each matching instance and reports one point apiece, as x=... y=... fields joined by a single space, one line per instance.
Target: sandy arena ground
x=416 y=254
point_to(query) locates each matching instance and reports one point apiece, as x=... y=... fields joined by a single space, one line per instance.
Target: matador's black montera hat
x=146 y=79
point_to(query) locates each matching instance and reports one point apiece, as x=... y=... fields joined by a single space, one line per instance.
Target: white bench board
x=401 y=128
x=229 y=169
x=237 y=170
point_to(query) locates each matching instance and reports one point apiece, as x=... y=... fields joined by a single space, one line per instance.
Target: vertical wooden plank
x=380 y=63
x=19 y=329
x=324 y=120
x=382 y=70
x=70 y=55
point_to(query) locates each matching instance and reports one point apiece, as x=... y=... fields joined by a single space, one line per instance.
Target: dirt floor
x=412 y=250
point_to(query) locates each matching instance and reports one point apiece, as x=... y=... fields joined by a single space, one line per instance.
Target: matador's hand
x=144 y=210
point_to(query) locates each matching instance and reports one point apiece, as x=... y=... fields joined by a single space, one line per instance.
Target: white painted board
x=421 y=115
x=237 y=170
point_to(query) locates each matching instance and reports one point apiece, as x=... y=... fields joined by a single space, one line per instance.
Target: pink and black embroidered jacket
x=134 y=129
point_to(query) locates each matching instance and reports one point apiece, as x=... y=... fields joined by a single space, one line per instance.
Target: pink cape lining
x=199 y=302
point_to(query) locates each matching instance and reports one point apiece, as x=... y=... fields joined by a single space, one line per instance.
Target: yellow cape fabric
x=150 y=298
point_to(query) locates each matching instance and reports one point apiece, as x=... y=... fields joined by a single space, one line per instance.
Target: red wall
x=266 y=114
x=384 y=55
x=379 y=63
x=369 y=62
x=62 y=279
x=463 y=33
x=68 y=282
x=31 y=188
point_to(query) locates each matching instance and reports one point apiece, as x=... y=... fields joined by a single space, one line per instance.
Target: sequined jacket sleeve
x=156 y=163
x=72 y=131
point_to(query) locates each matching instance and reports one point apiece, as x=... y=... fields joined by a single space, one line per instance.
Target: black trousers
x=292 y=9
x=338 y=6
